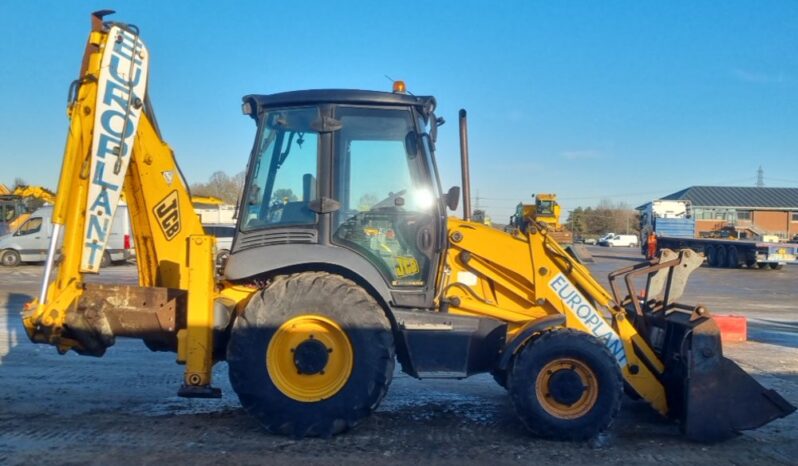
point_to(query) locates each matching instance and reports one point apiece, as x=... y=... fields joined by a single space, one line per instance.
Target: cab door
x=389 y=201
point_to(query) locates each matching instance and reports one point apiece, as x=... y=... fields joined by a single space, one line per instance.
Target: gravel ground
x=122 y=408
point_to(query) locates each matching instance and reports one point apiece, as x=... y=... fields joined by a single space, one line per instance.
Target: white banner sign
x=120 y=97
x=594 y=323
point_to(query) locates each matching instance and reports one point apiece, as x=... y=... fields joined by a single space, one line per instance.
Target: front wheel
x=312 y=355
x=10 y=258
x=566 y=385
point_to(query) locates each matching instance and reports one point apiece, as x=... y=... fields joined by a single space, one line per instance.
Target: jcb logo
x=167 y=212
x=406 y=265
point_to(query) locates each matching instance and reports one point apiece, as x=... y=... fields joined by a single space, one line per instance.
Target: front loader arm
x=113 y=146
x=668 y=353
x=522 y=278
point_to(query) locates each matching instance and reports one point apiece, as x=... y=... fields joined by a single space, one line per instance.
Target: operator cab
x=352 y=172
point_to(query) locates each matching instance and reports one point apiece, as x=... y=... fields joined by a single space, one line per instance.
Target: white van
x=31 y=240
x=612 y=239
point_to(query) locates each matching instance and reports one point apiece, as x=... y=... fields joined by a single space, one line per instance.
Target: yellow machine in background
x=13 y=209
x=323 y=291
x=545 y=211
x=210 y=200
x=35 y=192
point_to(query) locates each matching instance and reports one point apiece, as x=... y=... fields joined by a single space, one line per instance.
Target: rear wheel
x=712 y=256
x=732 y=258
x=722 y=258
x=776 y=266
x=10 y=258
x=565 y=384
x=312 y=355
x=106 y=260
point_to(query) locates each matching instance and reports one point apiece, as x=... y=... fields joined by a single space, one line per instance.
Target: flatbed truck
x=674 y=227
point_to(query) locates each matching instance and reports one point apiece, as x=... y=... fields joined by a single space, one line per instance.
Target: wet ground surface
x=122 y=408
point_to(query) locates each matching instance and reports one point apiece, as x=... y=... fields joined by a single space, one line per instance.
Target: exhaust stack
x=464 y=166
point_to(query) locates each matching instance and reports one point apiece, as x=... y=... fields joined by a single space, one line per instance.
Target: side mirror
x=453 y=197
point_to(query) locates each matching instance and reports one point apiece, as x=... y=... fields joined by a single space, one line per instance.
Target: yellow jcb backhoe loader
x=546 y=213
x=344 y=261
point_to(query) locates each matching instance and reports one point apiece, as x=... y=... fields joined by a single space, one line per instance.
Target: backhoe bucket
x=711 y=395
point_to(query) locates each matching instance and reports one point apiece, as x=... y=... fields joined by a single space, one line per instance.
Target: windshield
x=545 y=207
x=282 y=179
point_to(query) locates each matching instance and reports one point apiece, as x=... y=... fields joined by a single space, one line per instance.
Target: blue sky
x=621 y=100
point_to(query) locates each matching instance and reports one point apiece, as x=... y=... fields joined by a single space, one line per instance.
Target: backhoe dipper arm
x=113 y=146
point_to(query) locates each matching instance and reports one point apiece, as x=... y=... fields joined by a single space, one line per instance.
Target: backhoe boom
x=173 y=253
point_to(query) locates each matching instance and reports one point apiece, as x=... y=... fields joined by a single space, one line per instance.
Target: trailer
x=733 y=253
x=673 y=224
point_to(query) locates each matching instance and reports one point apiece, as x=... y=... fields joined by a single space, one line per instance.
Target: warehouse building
x=772 y=211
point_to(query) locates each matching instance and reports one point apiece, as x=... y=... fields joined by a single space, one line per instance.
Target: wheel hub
x=566 y=387
x=311 y=356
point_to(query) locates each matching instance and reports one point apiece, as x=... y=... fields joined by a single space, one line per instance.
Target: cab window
x=282 y=181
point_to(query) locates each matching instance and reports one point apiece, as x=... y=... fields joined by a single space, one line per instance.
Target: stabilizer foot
x=199 y=391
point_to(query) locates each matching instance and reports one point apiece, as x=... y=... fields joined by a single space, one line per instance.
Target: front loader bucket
x=711 y=395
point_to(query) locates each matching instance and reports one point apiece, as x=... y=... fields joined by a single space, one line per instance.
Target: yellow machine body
x=522 y=279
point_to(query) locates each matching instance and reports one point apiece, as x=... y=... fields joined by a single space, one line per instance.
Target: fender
x=528 y=330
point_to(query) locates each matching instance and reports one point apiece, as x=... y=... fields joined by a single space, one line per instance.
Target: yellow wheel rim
x=554 y=402
x=309 y=358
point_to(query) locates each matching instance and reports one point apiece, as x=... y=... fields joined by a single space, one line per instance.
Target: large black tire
x=732 y=258
x=776 y=266
x=310 y=294
x=712 y=256
x=566 y=385
x=10 y=258
x=722 y=258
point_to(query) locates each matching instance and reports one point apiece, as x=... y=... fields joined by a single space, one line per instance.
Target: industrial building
x=772 y=211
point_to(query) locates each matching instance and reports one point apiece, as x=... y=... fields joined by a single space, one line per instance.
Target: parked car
x=31 y=240
x=612 y=239
x=592 y=241
x=224 y=241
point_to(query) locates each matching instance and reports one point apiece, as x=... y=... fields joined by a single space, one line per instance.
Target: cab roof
x=258 y=102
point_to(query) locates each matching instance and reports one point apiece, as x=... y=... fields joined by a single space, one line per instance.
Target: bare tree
x=607 y=216
x=221 y=185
